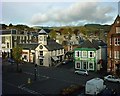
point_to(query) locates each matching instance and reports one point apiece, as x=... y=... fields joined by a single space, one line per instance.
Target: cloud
x=77 y=12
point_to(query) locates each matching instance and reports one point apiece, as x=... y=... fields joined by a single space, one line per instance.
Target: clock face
x=41 y=47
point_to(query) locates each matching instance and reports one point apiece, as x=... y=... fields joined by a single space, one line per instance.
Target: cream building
x=46 y=52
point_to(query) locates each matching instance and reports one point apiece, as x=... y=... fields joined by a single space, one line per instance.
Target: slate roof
x=29 y=46
x=7 y=31
x=53 y=45
x=99 y=42
x=42 y=32
x=88 y=44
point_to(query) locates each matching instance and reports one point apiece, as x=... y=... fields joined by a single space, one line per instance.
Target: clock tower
x=42 y=37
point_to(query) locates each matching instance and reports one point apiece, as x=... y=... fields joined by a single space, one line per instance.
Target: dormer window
x=118 y=22
x=117 y=29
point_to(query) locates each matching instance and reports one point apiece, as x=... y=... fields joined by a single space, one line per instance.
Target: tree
x=53 y=34
x=3 y=26
x=17 y=53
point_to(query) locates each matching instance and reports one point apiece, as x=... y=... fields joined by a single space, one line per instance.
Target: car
x=65 y=62
x=11 y=60
x=81 y=71
x=112 y=78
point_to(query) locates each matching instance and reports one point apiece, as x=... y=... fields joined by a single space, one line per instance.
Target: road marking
x=24 y=88
x=47 y=77
x=37 y=75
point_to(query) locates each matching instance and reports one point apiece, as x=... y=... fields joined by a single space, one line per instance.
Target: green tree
x=53 y=34
x=17 y=53
x=83 y=30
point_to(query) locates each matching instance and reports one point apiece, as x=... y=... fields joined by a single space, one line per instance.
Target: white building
x=46 y=52
x=11 y=38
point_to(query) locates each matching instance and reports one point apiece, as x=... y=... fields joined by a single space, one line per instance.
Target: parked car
x=65 y=62
x=11 y=60
x=81 y=71
x=112 y=78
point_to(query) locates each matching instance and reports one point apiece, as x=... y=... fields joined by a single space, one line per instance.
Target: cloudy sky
x=52 y=13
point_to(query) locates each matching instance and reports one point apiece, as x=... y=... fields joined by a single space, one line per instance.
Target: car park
x=81 y=71
x=112 y=78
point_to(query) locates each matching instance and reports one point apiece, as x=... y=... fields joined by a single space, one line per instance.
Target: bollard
x=29 y=81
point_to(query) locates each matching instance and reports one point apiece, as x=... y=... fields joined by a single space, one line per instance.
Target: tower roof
x=42 y=32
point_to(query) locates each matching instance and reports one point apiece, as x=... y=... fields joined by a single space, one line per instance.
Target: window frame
x=84 y=54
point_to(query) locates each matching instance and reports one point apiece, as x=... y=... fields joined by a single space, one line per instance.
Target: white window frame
x=76 y=65
x=84 y=55
x=93 y=54
x=117 y=54
x=80 y=53
x=76 y=53
x=89 y=65
x=116 y=41
x=117 y=29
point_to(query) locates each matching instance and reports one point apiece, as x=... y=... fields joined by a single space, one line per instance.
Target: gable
x=41 y=47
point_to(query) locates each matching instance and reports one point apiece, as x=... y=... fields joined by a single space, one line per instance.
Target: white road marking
x=24 y=88
x=47 y=77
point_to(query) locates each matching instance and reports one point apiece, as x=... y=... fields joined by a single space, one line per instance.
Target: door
x=84 y=65
x=41 y=61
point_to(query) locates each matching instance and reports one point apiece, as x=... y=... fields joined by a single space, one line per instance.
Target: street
x=49 y=80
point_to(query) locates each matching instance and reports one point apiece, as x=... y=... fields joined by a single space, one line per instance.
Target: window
x=91 y=66
x=45 y=38
x=110 y=41
x=117 y=29
x=77 y=53
x=85 y=65
x=78 y=65
x=117 y=41
x=84 y=53
x=41 y=53
x=41 y=61
x=70 y=47
x=3 y=40
x=117 y=54
x=91 y=54
x=7 y=45
x=40 y=38
x=118 y=22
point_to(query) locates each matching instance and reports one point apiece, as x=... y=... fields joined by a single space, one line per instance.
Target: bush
x=71 y=89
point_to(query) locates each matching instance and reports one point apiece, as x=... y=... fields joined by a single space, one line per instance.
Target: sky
x=58 y=12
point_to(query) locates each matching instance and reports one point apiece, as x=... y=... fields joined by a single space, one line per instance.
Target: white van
x=94 y=86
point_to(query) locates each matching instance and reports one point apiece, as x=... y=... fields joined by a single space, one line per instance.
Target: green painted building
x=86 y=56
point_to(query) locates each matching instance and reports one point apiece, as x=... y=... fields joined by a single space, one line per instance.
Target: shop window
x=91 y=65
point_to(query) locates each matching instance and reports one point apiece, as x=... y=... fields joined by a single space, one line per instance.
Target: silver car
x=81 y=71
x=112 y=78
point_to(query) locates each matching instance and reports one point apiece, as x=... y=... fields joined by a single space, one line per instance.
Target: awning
x=55 y=58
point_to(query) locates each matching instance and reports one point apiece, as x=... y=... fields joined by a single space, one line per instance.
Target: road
x=49 y=80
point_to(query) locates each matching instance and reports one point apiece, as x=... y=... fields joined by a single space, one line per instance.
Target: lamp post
x=35 y=72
